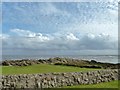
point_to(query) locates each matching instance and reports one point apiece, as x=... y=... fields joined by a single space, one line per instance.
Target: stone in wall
x=53 y=80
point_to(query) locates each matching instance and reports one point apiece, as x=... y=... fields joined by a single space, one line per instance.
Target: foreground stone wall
x=52 y=80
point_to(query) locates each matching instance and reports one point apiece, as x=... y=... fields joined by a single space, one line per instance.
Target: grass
x=41 y=68
x=46 y=68
x=112 y=84
x=0 y=70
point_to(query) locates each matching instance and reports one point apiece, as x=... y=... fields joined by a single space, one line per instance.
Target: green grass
x=41 y=68
x=46 y=68
x=0 y=70
x=112 y=84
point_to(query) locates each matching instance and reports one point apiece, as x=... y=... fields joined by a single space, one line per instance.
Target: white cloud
x=25 y=33
x=99 y=42
x=76 y=29
x=4 y=36
x=67 y=41
x=50 y=9
x=91 y=36
x=94 y=28
x=28 y=34
x=32 y=12
x=70 y=36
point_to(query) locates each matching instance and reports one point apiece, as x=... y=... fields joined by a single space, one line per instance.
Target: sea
x=99 y=58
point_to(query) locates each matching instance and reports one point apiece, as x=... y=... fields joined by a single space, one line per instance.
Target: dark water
x=100 y=58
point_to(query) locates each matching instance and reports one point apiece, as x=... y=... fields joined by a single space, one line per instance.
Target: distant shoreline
x=99 y=58
x=54 y=57
x=61 y=61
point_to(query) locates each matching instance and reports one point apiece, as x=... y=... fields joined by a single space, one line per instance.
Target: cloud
x=70 y=36
x=29 y=12
x=60 y=26
x=28 y=34
x=50 y=9
x=81 y=16
x=66 y=41
x=59 y=0
x=4 y=36
x=25 y=33
x=98 y=42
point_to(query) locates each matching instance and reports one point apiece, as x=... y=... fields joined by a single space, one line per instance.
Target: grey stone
x=50 y=80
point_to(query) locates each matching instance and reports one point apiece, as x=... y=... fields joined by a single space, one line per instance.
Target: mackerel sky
x=60 y=27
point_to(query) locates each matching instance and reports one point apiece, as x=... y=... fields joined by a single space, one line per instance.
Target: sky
x=59 y=27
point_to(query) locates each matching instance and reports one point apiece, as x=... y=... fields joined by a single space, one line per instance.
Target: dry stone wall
x=53 y=80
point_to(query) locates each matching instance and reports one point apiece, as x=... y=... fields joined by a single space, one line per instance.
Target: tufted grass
x=41 y=68
x=112 y=84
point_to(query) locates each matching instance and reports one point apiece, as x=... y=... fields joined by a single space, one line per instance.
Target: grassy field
x=41 y=68
x=46 y=68
x=112 y=84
